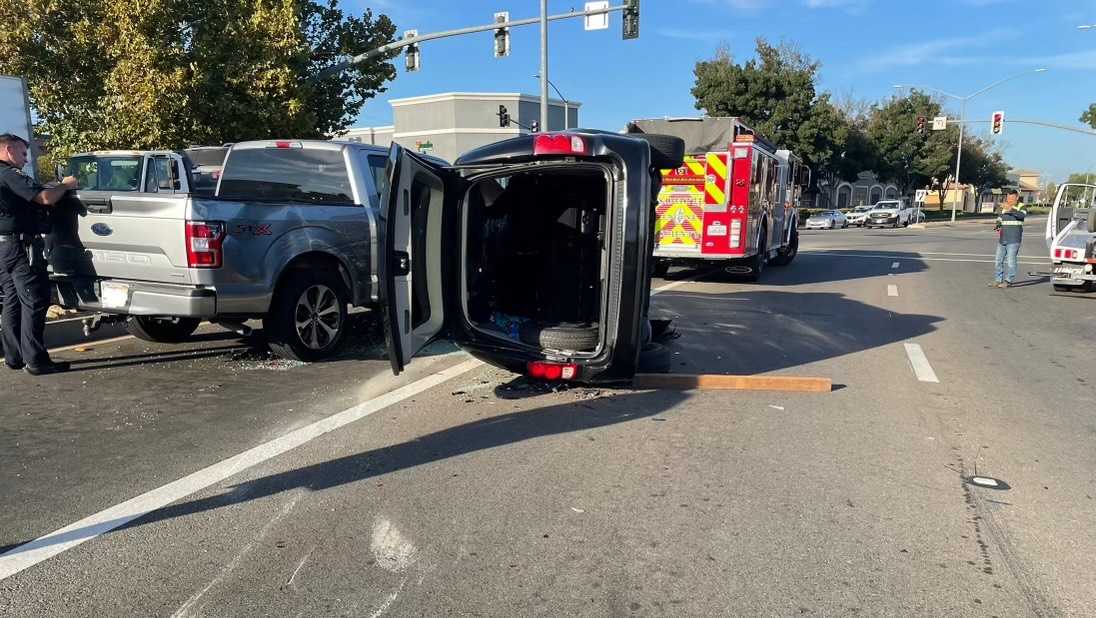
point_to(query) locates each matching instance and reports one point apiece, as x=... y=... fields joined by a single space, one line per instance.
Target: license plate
x=113 y=295
x=1072 y=273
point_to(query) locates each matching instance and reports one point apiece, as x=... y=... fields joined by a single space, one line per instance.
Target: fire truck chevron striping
x=734 y=199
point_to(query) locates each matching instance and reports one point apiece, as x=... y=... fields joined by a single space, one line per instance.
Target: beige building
x=960 y=197
x=449 y=124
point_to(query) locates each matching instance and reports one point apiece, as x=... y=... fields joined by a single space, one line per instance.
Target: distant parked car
x=858 y=215
x=827 y=220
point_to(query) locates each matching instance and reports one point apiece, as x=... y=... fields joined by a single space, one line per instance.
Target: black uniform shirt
x=16 y=192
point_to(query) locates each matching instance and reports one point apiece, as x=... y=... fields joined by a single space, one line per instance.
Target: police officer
x=23 y=277
x=1010 y=232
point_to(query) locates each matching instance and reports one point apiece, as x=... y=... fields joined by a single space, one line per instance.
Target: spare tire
x=667 y=151
x=577 y=337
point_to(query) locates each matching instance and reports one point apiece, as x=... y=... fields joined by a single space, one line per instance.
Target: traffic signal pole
x=959 y=156
x=544 y=65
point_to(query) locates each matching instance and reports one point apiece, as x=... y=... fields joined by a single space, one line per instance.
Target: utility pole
x=544 y=65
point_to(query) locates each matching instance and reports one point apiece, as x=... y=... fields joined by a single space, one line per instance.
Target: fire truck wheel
x=788 y=253
x=667 y=151
x=579 y=337
x=662 y=267
x=757 y=263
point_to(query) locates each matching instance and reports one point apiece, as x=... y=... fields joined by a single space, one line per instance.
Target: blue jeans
x=1006 y=262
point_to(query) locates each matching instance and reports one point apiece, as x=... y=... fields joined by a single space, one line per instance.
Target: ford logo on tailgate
x=101 y=229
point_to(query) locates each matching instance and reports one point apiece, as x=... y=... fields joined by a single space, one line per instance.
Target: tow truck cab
x=532 y=254
x=1071 y=237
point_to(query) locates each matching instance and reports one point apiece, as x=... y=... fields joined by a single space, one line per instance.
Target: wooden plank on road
x=719 y=382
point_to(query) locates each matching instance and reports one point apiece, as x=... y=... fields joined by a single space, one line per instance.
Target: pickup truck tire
x=667 y=151
x=308 y=319
x=162 y=330
x=577 y=337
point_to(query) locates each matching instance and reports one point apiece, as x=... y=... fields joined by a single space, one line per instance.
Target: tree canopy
x=1089 y=116
x=775 y=94
x=109 y=74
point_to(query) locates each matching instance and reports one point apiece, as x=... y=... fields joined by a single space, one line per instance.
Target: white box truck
x=15 y=113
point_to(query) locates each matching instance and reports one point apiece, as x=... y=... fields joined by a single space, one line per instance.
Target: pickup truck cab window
x=377 y=165
x=162 y=175
x=107 y=173
x=287 y=175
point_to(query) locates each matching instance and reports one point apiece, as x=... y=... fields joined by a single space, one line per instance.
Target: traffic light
x=921 y=125
x=997 y=123
x=631 y=19
x=414 y=59
x=534 y=127
x=502 y=35
x=504 y=116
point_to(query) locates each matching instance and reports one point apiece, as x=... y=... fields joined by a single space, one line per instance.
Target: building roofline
x=478 y=96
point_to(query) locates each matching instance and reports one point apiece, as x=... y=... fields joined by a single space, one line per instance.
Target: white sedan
x=827 y=220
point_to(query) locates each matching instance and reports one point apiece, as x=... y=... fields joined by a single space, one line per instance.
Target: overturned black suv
x=532 y=254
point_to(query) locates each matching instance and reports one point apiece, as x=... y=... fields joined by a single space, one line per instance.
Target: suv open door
x=415 y=257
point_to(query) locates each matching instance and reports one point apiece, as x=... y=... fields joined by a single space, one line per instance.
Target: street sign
x=920 y=195
x=939 y=123
x=599 y=21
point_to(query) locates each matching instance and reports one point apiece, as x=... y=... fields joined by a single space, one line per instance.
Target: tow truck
x=734 y=201
x=1071 y=238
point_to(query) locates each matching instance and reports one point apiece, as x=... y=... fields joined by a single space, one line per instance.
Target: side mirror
x=59 y=171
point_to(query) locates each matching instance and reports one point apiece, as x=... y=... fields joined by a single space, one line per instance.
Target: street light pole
x=544 y=65
x=962 y=118
x=958 y=157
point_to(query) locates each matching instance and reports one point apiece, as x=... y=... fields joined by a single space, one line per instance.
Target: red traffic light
x=997 y=123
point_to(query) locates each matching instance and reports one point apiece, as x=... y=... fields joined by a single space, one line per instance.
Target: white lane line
x=835 y=254
x=45 y=547
x=676 y=284
x=895 y=264
x=920 y=363
x=892 y=290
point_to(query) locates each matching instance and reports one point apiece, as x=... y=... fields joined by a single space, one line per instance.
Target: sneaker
x=48 y=368
x=15 y=367
x=993 y=284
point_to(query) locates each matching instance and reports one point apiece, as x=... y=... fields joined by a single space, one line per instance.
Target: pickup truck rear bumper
x=143 y=298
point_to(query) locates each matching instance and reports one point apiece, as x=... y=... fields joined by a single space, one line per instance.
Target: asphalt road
x=458 y=489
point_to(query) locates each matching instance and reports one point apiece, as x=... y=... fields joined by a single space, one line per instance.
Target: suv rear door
x=1073 y=201
x=418 y=256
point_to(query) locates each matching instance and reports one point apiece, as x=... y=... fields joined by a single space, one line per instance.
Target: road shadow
x=814 y=267
x=464 y=439
x=758 y=331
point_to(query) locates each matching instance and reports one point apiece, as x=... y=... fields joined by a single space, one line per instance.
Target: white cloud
x=1082 y=60
x=741 y=5
x=689 y=34
x=937 y=51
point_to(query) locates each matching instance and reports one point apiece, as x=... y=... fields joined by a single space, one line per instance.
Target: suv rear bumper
x=144 y=298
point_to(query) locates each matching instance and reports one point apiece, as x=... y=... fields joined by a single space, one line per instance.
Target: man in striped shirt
x=1010 y=232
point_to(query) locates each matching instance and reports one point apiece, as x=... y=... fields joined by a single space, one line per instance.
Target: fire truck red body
x=734 y=201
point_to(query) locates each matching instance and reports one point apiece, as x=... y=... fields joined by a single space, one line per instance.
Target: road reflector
x=720 y=382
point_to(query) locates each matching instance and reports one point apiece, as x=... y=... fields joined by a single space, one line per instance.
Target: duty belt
x=18 y=237
x=1010 y=223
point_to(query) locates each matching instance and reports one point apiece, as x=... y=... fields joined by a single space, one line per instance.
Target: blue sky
x=865 y=46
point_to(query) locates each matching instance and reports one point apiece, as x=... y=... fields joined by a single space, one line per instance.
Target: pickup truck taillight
x=203 y=243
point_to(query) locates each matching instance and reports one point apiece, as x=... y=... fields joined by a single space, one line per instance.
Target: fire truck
x=734 y=202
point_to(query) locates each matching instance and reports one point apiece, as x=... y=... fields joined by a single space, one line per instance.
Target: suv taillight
x=552 y=371
x=203 y=243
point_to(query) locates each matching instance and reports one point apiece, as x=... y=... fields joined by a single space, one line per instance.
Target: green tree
x=904 y=155
x=983 y=166
x=1089 y=116
x=103 y=74
x=775 y=94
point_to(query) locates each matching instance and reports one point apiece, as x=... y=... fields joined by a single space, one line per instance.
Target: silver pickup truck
x=289 y=237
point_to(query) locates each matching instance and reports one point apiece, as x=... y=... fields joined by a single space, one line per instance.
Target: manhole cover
x=987 y=482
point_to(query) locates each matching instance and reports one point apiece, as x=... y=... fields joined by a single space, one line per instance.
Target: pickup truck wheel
x=162 y=330
x=577 y=337
x=307 y=320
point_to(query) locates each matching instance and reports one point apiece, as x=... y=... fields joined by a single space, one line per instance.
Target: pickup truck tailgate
x=139 y=237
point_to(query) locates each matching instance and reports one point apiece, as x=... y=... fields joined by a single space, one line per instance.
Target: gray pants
x=26 y=301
